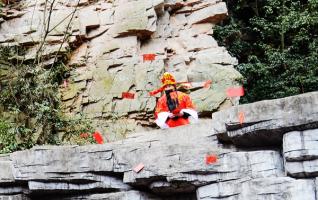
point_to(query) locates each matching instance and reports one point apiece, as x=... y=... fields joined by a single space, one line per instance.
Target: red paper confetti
x=207 y=84
x=235 y=92
x=209 y=159
x=98 y=137
x=84 y=135
x=65 y=83
x=241 y=117
x=128 y=95
x=149 y=57
x=139 y=167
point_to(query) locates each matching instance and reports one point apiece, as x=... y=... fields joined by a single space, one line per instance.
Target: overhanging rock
x=265 y=122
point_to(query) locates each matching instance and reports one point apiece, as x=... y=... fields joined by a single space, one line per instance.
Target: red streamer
x=241 y=117
x=128 y=95
x=149 y=57
x=209 y=159
x=98 y=137
x=139 y=167
x=235 y=92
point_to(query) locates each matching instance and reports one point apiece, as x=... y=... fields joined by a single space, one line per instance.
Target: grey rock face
x=14 y=197
x=261 y=189
x=106 y=47
x=265 y=122
x=177 y=165
x=300 y=150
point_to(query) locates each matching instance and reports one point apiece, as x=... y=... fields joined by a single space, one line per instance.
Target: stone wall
x=104 y=41
x=279 y=162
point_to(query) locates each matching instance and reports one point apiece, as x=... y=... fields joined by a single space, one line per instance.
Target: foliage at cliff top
x=276 y=43
x=30 y=106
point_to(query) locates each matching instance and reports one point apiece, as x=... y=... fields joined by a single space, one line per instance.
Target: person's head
x=168 y=81
x=170 y=87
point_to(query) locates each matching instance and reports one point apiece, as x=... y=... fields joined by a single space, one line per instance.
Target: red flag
x=149 y=56
x=235 y=92
x=128 y=95
x=209 y=159
x=98 y=137
x=207 y=84
x=241 y=117
x=139 y=167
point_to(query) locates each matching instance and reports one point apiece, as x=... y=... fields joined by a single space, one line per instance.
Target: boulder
x=267 y=120
x=261 y=189
x=301 y=153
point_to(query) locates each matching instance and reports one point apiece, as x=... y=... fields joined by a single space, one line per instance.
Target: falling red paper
x=65 y=83
x=207 y=84
x=241 y=117
x=84 y=135
x=149 y=57
x=98 y=137
x=209 y=159
x=139 y=167
x=128 y=95
x=235 y=92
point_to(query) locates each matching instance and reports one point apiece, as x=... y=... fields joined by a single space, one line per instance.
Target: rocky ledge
x=268 y=152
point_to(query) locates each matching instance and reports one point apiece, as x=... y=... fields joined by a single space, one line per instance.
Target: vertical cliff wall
x=103 y=43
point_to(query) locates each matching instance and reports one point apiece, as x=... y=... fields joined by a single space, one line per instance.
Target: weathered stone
x=129 y=195
x=268 y=120
x=213 y=13
x=301 y=145
x=300 y=153
x=261 y=189
x=14 y=197
x=88 y=19
x=6 y=175
x=60 y=20
x=217 y=55
x=79 y=56
x=140 y=21
x=102 y=183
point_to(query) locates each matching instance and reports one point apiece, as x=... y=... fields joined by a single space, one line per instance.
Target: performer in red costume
x=174 y=108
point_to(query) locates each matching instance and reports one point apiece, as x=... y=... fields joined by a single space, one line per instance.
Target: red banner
x=235 y=92
x=149 y=57
x=128 y=95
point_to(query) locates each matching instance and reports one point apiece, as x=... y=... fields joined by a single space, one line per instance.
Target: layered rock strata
x=176 y=164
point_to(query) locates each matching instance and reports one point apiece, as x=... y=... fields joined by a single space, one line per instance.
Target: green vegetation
x=30 y=110
x=276 y=43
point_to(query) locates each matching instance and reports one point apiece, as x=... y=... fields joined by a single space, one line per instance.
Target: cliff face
x=269 y=153
x=104 y=43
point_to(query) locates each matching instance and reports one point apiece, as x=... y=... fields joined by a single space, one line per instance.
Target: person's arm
x=189 y=110
x=161 y=115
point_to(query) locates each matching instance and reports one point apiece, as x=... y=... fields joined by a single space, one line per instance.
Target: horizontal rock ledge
x=264 y=122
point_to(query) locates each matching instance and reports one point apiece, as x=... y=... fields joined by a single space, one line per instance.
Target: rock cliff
x=270 y=154
x=103 y=43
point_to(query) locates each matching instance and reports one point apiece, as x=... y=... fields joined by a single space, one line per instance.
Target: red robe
x=162 y=111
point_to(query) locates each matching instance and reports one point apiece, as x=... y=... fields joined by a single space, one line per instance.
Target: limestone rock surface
x=300 y=153
x=103 y=42
x=187 y=162
x=268 y=120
